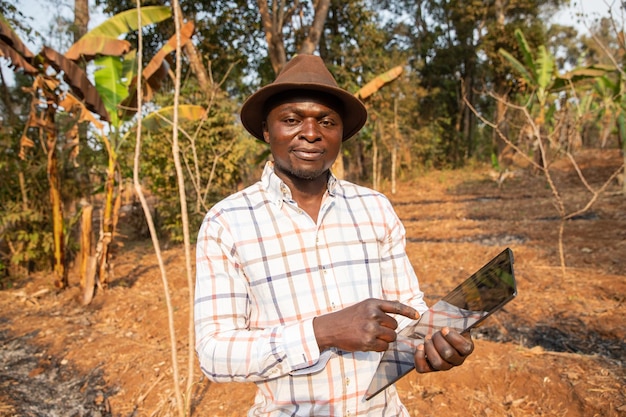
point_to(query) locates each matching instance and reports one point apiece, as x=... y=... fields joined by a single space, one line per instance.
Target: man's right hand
x=365 y=326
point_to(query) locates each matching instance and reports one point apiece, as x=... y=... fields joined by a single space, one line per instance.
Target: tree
x=452 y=46
x=282 y=18
x=544 y=124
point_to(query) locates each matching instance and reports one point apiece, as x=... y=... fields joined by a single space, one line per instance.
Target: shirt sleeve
x=228 y=349
x=399 y=279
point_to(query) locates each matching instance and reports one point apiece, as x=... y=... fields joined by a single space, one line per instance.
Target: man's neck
x=308 y=194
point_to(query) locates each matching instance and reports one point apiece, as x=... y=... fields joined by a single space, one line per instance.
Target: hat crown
x=307 y=69
x=303 y=73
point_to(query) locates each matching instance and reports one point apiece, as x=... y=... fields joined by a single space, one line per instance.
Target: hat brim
x=253 y=109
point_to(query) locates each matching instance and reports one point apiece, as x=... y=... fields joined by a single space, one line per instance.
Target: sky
x=591 y=10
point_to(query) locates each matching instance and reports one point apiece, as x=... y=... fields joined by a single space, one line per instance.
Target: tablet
x=483 y=293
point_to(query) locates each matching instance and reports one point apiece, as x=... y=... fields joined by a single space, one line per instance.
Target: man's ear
x=266 y=133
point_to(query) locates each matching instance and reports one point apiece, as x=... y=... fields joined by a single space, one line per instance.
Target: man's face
x=305 y=134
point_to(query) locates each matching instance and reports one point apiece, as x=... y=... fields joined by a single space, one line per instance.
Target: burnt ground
x=557 y=350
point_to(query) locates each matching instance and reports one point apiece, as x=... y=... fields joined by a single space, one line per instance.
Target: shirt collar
x=280 y=192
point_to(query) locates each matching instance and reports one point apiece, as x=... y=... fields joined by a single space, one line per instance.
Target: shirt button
x=347 y=382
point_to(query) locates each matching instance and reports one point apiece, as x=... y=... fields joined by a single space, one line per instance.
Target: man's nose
x=310 y=130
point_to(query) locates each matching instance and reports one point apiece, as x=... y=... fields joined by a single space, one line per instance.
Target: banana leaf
x=71 y=103
x=13 y=49
x=108 y=78
x=526 y=53
x=156 y=70
x=164 y=117
x=10 y=38
x=378 y=82
x=17 y=60
x=518 y=67
x=186 y=32
x=103 y=39
x=125 y=22
x=91 y=46
x=76 y=78
x=578 y=75
x=545 y=68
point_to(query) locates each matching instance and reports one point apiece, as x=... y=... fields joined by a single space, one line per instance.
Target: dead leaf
x=88 y=48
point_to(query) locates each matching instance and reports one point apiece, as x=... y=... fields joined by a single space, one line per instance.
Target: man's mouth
x=307 y=154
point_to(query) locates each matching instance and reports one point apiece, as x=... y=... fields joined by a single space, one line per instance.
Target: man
x=303 y=279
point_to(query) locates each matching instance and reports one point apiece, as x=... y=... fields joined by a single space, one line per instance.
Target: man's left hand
x=444 y=350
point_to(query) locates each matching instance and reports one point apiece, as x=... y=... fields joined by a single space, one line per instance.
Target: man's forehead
x=303 y=96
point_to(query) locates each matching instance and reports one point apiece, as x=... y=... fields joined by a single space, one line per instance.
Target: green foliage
x=223 y=154
x=538 y=72
x=450 y=49
x=112 y=81
x=26 y=238
x=228 y=36
x=127 y=21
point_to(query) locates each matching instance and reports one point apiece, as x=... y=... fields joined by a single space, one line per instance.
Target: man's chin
x=306 y=174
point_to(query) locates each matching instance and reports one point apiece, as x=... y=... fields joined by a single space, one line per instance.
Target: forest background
x=108 y=121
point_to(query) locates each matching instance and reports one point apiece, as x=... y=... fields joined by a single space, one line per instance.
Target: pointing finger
x=396 y=307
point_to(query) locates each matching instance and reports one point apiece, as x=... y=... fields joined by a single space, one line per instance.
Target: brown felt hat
x=308 y=73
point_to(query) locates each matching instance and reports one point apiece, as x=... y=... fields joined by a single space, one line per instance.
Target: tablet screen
x=486 y=291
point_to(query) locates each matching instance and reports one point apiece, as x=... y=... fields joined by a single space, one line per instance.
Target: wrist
x=322 y=335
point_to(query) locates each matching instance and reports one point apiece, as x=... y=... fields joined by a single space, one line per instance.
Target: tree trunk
x=310 y=44
x=106 y=234
x=60 y=275
x=85 y=241
x=621 y=138
x=22 y=181
x=338 y=168
x=81 y=18
x=376 y=139
x=497 y=144
x=272 y=23
x=197 y=67
x=275 y=20
x=468 y=118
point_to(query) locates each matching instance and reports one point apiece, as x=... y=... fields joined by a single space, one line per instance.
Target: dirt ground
x=557 y=350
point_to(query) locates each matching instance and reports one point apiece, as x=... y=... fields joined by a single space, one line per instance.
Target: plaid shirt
x=265 y=269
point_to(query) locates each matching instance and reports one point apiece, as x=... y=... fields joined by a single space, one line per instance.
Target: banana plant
x=103 y=99
x=49 y=99
x=116 y=82
x=611 y=90
x=538 y=73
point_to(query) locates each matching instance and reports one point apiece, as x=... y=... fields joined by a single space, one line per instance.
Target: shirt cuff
x=300 y=345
